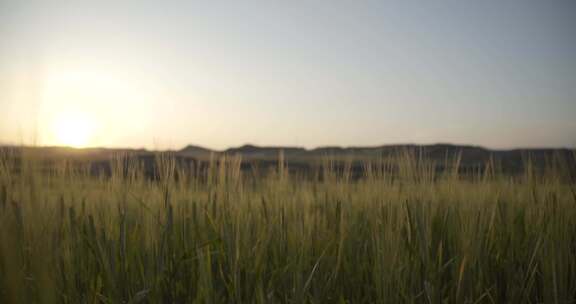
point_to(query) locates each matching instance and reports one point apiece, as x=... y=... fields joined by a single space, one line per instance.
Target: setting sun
x=74 y=130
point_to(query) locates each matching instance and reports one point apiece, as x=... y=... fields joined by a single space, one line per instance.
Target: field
x=407 y=235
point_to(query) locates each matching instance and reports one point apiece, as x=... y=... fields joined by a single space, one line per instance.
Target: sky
x=165 y=74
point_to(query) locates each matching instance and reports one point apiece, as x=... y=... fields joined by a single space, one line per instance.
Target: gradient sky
x=163 y=74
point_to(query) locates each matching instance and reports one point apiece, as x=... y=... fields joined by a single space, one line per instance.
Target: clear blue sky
x=168 y=73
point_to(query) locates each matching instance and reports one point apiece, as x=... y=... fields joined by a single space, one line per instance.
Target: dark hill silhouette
x=255 y=152
x=197 y=152
x=471 y=158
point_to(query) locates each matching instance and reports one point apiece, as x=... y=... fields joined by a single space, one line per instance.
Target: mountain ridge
x=191 y=149
x=469 y=157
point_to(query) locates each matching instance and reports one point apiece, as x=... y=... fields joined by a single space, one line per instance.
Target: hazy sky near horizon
x=163 y=74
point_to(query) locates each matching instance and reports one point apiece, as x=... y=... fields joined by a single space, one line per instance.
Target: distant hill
x=255 y=152
x=470 y=157
x=197 y=152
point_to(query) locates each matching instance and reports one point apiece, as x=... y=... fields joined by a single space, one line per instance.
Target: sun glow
x=74 y=130
x=86 y=105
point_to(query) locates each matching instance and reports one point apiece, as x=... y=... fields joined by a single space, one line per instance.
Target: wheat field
x=223 y=236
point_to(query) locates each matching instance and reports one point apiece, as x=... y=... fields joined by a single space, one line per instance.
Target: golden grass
x=222 y=236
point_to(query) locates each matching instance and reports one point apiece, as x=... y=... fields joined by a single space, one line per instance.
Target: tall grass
x=221 y=236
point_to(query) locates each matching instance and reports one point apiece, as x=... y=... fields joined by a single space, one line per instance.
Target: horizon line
x=280 y=147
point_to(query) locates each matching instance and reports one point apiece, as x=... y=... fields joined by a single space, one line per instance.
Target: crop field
x=409 y=235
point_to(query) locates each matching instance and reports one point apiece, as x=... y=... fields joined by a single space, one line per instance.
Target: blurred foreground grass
x=415 y=236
